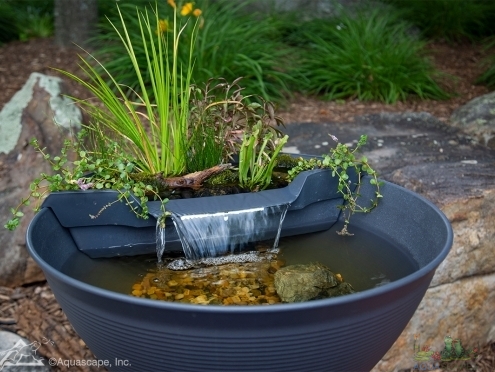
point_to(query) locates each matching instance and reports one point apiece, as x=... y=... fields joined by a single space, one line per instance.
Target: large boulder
x=461 y=297
x=37 y=110
x=477 y=118
x=444 y=164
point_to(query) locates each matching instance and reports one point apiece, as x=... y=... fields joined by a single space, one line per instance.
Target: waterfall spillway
x=216 y=234
x=160 y=238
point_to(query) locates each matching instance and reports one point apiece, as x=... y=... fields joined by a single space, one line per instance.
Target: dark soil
x=33 y=312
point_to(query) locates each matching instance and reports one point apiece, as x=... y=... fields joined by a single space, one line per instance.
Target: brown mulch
x=19 y=59
x=33 y=312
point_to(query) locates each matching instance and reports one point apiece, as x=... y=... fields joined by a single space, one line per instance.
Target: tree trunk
x=75 y=21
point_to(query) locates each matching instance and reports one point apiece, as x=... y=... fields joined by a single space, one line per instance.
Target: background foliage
x=24 y=19
x=232 y=42
x=453 y=20
x=368 y=55
x=282 y=52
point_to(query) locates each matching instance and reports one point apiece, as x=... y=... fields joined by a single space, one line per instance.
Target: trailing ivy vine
x=341 y=160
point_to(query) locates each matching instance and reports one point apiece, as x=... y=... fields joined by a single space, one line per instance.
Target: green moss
x=149 y=179
x=227 y=178
x=286 y=161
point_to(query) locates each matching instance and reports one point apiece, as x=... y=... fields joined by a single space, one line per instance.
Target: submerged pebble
x=241 y=279
x=251 y=278
x=248 y=283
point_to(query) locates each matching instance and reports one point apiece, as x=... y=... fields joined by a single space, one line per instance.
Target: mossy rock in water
x=298 y=283
x=340 y=290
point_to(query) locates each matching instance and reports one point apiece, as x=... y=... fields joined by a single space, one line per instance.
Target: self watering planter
x=348 y=333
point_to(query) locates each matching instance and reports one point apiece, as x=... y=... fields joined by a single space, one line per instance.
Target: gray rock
x=20 y=355
x=37 y=110
x=339 y=290
x=62 y=110
x=477 y=118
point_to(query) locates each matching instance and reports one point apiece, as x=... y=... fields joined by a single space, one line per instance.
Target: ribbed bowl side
x=355 y=343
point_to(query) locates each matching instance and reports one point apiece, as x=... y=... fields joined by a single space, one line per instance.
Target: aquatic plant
x=157 y=137
x=146 y=146
x=256 y=163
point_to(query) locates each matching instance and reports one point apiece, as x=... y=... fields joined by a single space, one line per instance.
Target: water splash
x=219 y=234
x=279 y=231
x=160 y=238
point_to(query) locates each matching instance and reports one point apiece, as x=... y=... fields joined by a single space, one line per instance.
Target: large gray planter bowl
x=349 y=333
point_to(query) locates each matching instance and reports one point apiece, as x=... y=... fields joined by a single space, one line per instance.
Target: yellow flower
x=172 y=3
x=162 y=25
x=186 y=9
x=197 y=12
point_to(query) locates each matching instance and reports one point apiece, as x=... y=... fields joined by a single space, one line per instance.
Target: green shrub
x=369 y=56
x=488 y=76
x=232 y=42
x=35 y=22
x=8 y=27
x=25 y=19
x=452 y=20
x=107 y=8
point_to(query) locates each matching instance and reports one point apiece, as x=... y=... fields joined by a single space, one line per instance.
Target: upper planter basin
x=349 y=333
x=312 y=197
